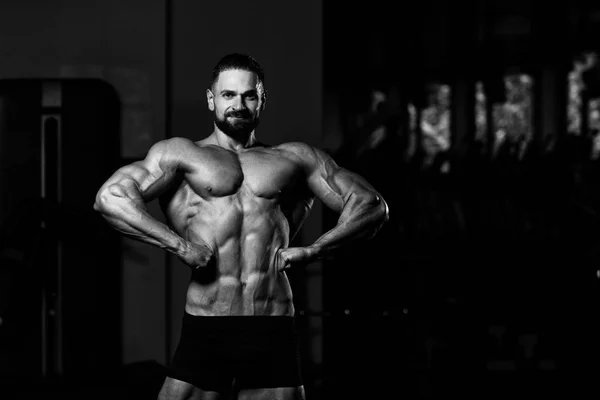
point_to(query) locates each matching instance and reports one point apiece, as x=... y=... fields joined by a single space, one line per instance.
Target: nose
x=238 y=103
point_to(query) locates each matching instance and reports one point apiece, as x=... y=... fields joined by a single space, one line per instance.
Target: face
x=236 y=100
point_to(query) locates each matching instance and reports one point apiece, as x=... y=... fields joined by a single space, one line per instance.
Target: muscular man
x=233 y=204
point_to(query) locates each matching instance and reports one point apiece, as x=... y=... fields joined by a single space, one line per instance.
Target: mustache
x=238 y=114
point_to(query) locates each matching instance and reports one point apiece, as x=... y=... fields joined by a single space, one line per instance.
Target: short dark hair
x=237 y=61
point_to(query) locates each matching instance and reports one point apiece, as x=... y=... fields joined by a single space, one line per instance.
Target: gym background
x=477 y=120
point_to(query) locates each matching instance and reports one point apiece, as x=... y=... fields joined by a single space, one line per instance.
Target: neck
x=234 y=143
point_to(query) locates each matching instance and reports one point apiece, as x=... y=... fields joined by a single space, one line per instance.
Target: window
x=512 y=119
x=434 y=123
x=575 y=104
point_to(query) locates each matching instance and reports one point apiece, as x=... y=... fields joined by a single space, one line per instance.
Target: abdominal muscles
x=244 y=279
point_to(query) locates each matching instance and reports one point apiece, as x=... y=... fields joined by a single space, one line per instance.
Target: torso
x=238 y=203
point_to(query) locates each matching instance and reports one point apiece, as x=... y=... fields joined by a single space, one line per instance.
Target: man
x=233 y=204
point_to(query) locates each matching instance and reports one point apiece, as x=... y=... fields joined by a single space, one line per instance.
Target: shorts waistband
x=237 y=322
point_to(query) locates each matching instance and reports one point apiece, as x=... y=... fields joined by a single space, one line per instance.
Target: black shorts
x=252 y=351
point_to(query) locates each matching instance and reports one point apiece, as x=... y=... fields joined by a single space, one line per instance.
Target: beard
x=243 y=125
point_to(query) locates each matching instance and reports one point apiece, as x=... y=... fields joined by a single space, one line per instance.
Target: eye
x=227 y=95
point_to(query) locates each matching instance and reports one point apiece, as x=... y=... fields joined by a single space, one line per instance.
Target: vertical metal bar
x=168 y=134
x=52 y=245
x=44 y=328
x=52 y=197
x=59 y=252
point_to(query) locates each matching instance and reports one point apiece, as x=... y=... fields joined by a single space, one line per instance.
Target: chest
x=220 y=173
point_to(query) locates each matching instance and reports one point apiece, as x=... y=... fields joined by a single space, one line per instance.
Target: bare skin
x=233 y=205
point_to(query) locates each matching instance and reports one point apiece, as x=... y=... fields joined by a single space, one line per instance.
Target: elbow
x=100 y=204
x=381 y=217
x=379 y=213
x=105 y=197
x=384 y=210
x=380 y=208
x=383 y=214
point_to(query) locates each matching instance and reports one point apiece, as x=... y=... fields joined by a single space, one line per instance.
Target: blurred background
x=477 y=120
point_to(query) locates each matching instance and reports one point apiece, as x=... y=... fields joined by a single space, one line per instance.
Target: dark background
x=484 y=282
x=497 y=252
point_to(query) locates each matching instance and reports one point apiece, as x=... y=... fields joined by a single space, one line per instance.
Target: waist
x=244 y=323
x=263 y=295
x=206 y=280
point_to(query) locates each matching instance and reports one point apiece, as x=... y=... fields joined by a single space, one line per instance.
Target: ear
x=210 y=99
x=263 y=101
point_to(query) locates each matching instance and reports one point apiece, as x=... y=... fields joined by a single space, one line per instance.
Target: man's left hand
x=291 y=256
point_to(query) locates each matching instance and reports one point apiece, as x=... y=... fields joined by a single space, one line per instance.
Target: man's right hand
x=197 y=255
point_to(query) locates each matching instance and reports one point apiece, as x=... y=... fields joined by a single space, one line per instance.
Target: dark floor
x=145 y=383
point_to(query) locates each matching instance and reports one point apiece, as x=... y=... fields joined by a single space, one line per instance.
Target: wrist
x=314 y=252
x=182 y=247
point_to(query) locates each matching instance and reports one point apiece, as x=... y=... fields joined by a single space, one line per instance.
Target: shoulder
x=309 y=157
x=172 y=144
x=169 y=153
x=303 y=151
x=172 y=148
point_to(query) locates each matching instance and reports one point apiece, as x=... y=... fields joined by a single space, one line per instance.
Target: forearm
x=148 y=230
x=360 y=220
x=132 y=219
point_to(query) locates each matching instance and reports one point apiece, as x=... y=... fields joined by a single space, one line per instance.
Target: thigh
x=174 y=389
x=283 y=393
